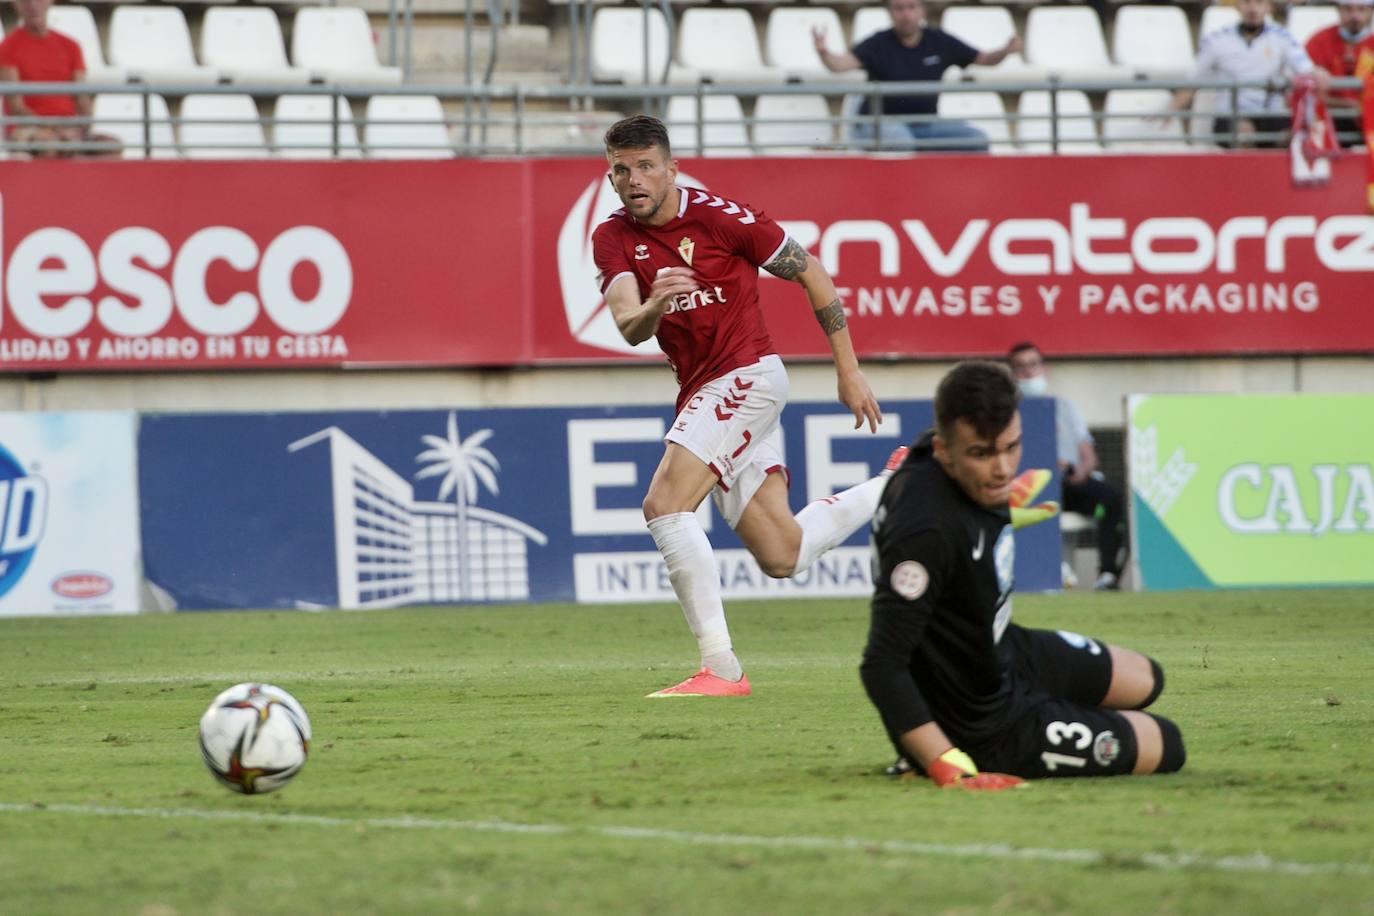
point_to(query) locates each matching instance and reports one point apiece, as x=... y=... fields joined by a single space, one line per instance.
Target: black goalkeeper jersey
x=941 y=605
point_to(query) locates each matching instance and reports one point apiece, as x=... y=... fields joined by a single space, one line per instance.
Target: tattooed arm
x=793 y=263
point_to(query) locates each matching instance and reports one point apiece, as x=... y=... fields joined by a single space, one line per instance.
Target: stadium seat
x=406 y=127
x=1153 y=41
x=1305 y=21
x=988 y=28
x=120 y=115
x=221 y=127
x=721 y=43
x=982 y=110
x=244 y=43
x=77 y=23
x=722 y=126
x=1129 y=125
x=334 y=44
x=789 y=43
x=787 y=124
x=1076 y=131
x=153 y=43
x=617 y=46
x=303 y=129
x=1067 y=40
x=867 y=21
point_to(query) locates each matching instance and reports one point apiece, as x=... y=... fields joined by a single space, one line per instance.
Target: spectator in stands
x=1253 y=50
x=912 y=52
x=1345 y=49
x=1086 y=491
x=35 y=53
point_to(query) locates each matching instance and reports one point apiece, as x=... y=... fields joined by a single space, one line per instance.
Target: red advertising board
x=288 y=264
x=212 y=265
x=951 y=256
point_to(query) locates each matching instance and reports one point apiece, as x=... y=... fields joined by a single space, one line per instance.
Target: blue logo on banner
x=23 y=510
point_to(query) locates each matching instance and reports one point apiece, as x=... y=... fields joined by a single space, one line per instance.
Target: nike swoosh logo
x=978 y=551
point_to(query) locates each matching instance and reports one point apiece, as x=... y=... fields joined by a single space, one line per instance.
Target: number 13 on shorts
x=1068 y=736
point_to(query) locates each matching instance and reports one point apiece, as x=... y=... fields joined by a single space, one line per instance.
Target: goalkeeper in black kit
x=968 y=697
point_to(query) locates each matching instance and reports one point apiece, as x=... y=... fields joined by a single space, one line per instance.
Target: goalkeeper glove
x=954 y=768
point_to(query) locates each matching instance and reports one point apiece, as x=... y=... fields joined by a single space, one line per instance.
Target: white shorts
x=731 y=424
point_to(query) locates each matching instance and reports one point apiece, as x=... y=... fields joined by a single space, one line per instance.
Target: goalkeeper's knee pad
x=1157 y=673
x=1173 y=756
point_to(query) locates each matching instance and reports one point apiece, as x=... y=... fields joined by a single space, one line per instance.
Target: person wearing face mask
x=1086 y=491
x=1254 y=50
x=1346 y=49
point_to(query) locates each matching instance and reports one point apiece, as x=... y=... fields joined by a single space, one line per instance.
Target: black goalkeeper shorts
x=1064 y=733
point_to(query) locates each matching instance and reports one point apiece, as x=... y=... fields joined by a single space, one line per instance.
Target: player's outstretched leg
x=828 y=522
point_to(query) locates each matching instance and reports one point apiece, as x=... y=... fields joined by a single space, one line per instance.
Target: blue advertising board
x=382 y=509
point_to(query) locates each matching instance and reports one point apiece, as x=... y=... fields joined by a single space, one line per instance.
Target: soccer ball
x=254 y=738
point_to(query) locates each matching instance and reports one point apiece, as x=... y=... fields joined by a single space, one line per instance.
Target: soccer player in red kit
x=682 y=265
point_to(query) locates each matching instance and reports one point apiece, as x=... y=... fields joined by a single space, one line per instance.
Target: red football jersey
x=719 y=327
x=54 y=58
x=1340 y=58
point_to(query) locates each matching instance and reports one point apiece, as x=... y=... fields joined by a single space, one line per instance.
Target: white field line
x=1256 y=862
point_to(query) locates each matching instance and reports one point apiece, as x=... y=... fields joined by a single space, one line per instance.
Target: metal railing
x=502 y=120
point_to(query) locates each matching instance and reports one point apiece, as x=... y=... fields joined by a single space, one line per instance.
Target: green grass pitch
x=504 y=760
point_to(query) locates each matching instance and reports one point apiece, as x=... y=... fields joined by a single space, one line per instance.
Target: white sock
x=692 y=571
x=827 y=522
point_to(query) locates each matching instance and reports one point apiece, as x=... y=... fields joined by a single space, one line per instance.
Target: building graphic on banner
x=392 y=549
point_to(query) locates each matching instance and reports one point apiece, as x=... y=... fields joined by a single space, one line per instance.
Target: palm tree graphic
x=463 y=462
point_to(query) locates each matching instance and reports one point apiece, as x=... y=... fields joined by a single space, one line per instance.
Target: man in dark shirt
x=959 y=687
x=908 y=53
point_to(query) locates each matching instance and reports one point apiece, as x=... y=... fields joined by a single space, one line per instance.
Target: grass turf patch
x=478 y=717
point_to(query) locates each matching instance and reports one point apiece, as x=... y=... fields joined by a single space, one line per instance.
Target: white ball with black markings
x=254 y=738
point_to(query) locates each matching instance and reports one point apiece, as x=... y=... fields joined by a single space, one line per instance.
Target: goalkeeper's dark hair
x=638 y=132
x=981 y=393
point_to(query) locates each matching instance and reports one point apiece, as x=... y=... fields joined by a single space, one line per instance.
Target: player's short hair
x=1021 y=347
x=981 y=393
x=638 y=132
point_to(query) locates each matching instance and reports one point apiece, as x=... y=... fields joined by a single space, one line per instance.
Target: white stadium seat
x=1130 y=122
x=303 y=129
x=869 y=20
x=120 y=115
x=617 y=44
x=722 y=126
x=792 y=123
x=721 y=43
x=790 y=46
x=982 y=110
x=1068 y=40
x=221 y=127
x=1076 y=131
x=406 y=127
x=988 y=28
x=334 y=43
x=1153 y=41
x=77 y=23
x=1305 y=21
x=244 y=43
x=153 y=43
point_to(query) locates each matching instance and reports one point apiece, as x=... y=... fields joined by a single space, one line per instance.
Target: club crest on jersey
x=685 y=248
x=641 y=252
